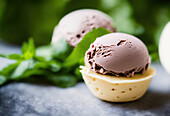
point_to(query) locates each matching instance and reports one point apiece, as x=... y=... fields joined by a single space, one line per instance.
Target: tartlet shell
x=117 y=89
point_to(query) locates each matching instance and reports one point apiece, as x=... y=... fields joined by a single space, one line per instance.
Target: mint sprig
x=57 y=63
x=77 y=56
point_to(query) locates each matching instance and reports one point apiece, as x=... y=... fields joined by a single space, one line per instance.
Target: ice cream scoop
x=117 y=68
x=76 y=24
x=164 y=48
x=118 y=54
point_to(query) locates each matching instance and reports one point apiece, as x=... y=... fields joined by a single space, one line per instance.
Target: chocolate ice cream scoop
x=118 y=54
x=76 y=24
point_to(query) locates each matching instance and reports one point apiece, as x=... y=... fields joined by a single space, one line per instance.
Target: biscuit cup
x=117 y=89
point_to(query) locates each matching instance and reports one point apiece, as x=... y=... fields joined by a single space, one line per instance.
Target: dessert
x=164 y=48
x=117 y=68
x=76 y=24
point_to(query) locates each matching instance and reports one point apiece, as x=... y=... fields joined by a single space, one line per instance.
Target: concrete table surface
x=26 y=99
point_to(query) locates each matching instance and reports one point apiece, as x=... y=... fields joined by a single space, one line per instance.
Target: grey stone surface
x=26 y=99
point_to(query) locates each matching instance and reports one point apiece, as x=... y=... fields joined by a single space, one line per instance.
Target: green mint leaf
x=44 y=51
x=79 y=51
x=61 y=49
x=62 y=80
x=78 y=73
x=22 y=67
x=53 y=66
x=154 y=56
x=12 y=56
x=40 y=58
x=15 y=56
x=33 y=72
x=3 y=79
x=6 y=71
x=28 y=49
x=24 y=47
x=41 y=65
x=3 y=55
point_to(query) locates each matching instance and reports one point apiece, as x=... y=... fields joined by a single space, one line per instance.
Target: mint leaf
x=22 y=67
x=79 y=51
x=2 y=79
x=40 y=58
x=41 y=65
x=48 y=65
x=55 y=66
x=61 y=49
x=33 y=72
x=9 y=69
x=78 y=73
x=12 y=56
x=43 y=62
x=45 y=52
x=15 y=56
x=62 y=80
x=28 y=49
x=6 y=72
x=3 y=55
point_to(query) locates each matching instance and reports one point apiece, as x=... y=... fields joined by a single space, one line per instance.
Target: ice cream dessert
x=76 y=24
x=164 y=47
x=117 y=68
x=118 y=54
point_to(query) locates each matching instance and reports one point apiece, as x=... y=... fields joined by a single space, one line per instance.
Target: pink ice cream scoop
x=118 y=54
x=76 y=24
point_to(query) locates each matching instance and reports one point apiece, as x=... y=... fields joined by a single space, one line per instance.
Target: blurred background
x=21 y=19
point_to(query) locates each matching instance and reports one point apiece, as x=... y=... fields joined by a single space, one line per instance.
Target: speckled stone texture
x=26 y=99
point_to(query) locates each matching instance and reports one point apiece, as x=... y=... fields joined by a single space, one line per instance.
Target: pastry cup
x=117 y=89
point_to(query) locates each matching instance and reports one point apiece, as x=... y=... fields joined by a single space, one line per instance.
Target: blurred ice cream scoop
x=76 y=24
x=164 y=48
